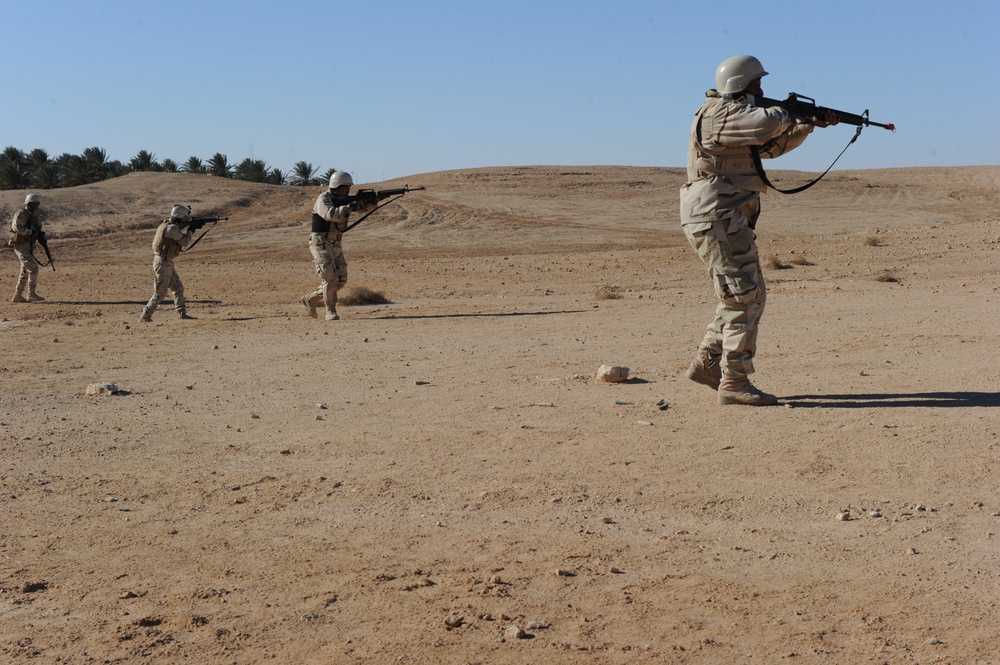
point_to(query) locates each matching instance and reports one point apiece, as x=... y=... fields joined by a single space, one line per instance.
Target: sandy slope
x=271 y=488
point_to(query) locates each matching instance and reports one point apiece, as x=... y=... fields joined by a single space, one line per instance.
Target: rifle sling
x=198 y=239
x=759 y=166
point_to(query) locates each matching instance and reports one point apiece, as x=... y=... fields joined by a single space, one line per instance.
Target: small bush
x=608 y=292
x=886 y=276
x=362 y=295
x=774 y=263
x=872 y=241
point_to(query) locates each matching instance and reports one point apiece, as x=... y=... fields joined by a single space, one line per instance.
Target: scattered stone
x=539 y=625
x=454 y=620
x=611 y=374
x=608 y=520
x=422 y=383
x=875 y=513
x=321 y=406
x=913 y=550
x=102 y=388
x=309 y=617
x=561 y=572
x=935 y=640
x=515 y=633
x=615 y=570
x=844 y=516
x=662 y=405
x=644 y=422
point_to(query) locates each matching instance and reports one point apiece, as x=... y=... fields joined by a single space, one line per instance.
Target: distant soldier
x=167 y=244
x=329 y=221
x=26 y=229
x=720 y=204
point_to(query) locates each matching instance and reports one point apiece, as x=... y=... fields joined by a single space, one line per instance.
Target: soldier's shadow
x=894 y=400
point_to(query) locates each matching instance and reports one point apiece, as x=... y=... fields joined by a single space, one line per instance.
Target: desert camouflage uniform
x=328 y=226
x=720 y=204
x=167 y=244
x=25 y=228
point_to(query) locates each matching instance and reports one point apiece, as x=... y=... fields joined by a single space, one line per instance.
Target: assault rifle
x=372 y=195
x=806 y=108
x=196 y=223
x=365 y=196
x=44 y=242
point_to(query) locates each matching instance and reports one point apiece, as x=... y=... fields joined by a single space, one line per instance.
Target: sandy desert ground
x=438 y=479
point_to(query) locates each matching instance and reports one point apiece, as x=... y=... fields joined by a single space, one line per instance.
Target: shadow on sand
x=891 y=400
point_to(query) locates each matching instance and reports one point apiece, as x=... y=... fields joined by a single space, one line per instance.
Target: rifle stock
x=806 y=108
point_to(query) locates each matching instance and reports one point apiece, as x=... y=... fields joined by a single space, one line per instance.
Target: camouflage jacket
x=721 y=174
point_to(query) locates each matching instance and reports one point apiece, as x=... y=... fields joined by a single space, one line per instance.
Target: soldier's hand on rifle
x=828 y=120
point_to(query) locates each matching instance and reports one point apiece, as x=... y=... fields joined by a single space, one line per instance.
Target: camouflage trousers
x=165 y=278
x=331 y=266
x=728 y=248
x=28 y=275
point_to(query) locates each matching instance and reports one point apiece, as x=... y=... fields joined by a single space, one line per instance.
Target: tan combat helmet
x=32 y=198
x=180 y=212
x=338 y=178
x=735 y=74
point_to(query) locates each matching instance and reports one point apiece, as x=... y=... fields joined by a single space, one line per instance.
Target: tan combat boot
x=34 y=297
x=146 y=318
x=705 y=369
x=185 y=315
x=18 y=298
x=311 y=301
x=735 y=389
x=331 y=314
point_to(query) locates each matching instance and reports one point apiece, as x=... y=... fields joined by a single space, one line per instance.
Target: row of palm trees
x=37 y=170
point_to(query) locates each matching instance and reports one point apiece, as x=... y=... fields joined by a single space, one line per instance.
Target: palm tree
x=73 y=170
x=96 y=160
x=252 y=170
x=144 y=161
x=326 y=176
x=276 y=177
x=193 y=165
x=219 y=165
x=169 y=165
x=304 y=174
x=13 y=168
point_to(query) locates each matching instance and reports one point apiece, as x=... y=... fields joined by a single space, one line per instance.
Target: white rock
x=102 y=388
x=611 y=374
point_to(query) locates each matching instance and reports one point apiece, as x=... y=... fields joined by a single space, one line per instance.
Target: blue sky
x=392 y=88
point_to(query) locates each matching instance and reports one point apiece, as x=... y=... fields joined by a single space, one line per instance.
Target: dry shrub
x=886 y=276
x=608 y=292
x=774 y=263
x=872 y=241
x=362 y=295
x=802 y=261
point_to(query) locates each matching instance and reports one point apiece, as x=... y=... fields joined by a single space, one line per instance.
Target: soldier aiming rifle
x=329 y=223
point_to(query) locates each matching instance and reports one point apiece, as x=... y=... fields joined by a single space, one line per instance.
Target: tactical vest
x=320 y=225
x=733 y=162
x=164 y=246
